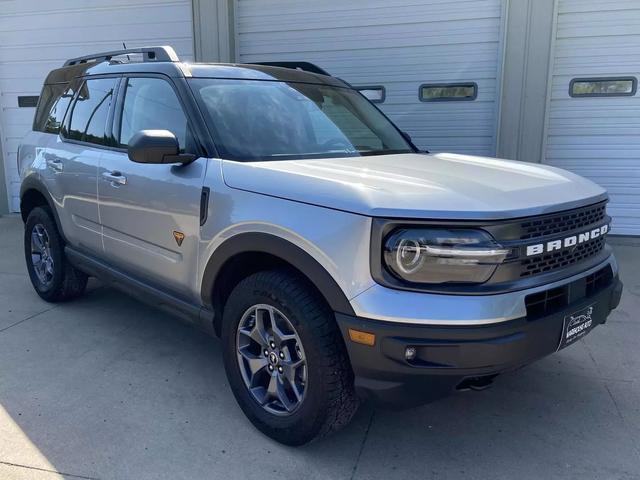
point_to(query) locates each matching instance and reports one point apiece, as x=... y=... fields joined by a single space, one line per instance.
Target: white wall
x=598 y=138
x=396 y=43
x=38 y=35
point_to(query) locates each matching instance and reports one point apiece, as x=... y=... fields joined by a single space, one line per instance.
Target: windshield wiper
x=383 y=151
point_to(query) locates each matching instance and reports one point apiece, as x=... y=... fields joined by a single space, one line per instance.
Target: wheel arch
x=34 y=194
x=247 y=253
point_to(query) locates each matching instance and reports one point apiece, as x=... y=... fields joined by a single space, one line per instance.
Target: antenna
x=124 y=45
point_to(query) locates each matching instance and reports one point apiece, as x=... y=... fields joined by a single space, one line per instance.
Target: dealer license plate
x=576 y=326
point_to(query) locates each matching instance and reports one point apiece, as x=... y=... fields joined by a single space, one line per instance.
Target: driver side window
x=152 y=104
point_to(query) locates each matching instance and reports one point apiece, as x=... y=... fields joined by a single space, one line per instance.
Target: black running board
x=199 y=316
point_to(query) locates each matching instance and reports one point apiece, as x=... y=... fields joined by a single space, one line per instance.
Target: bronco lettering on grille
x=567 y=242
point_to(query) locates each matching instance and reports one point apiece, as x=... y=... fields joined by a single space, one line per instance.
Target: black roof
x=178 y=69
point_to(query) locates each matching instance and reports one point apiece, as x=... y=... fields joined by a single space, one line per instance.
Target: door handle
x=55 y=165
x=116 y=178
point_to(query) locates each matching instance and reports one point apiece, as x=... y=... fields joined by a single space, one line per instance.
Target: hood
x=440 y=186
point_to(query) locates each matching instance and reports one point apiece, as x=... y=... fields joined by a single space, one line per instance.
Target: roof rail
x=149 y=54
x=306 y=66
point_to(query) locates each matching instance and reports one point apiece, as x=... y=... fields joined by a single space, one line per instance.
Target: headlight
x=437 y=255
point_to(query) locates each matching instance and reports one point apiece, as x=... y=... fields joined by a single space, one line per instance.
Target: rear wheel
x=51 y=274
x=285 y=358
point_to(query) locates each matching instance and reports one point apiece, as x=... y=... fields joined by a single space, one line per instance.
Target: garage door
x=37 y=36
x=399 y=45
x=596 y=132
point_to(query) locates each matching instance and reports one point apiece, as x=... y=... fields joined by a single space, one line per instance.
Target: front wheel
x=285 y=358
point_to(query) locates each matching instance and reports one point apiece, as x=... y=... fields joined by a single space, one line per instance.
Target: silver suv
x=275 y=207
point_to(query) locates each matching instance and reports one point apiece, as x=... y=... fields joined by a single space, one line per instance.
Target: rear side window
x=151 y=104
x=52 y=106
x=90 y=111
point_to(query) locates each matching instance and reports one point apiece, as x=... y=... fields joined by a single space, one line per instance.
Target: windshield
x=267 y=120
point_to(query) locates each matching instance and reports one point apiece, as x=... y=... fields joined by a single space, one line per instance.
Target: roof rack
x=306 y=66
x=149 y=54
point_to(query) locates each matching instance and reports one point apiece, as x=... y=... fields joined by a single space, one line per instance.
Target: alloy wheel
x=41 y=258
x=271 y=359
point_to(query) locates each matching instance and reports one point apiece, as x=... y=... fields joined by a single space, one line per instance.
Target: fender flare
x=257 y=242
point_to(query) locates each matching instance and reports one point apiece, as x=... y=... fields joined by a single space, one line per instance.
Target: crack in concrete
x=615 y=403
x=25 y=319
x=595 y=364
x=364 y=440
x=71 y=475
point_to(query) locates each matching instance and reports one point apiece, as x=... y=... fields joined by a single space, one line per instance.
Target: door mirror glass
x=156 y=146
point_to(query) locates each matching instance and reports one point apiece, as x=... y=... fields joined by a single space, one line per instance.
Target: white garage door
x=37 y=36
x=599 y=136
x=397 y=44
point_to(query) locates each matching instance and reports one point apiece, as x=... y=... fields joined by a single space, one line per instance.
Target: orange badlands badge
x=179 y=236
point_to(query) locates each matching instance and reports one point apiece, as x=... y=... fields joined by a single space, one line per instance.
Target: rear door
x=150 y=214
x=73 y=158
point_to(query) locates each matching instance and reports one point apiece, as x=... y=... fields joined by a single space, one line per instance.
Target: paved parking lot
x=108 y=388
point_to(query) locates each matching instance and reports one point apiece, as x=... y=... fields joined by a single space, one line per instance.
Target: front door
x=150 y=214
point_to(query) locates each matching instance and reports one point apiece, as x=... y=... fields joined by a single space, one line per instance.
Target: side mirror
x=158 y=147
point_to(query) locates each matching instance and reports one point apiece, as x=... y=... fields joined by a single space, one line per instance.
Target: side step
x=192 y=314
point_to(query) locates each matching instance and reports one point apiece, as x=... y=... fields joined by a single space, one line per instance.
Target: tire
x=328 y=400
x=61 y=281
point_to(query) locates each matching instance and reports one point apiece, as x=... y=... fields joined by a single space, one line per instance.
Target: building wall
x=522 y=54
x=598 y=137
x=37 y=36
x=528 y=51
x=399 y=45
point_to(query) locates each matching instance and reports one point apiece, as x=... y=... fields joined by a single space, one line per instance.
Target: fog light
x=410 y=353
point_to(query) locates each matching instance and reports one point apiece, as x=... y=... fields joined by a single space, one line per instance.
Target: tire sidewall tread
x=68 y=282
x=330 y=400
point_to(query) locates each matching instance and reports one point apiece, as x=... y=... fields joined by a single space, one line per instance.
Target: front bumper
x=449 y=357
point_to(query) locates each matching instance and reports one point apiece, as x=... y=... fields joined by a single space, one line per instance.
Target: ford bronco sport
x=277 y=208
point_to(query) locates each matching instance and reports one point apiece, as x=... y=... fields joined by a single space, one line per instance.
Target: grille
x=553 y=300
x=547 y=302
x=561 y=259
x=563 y=222
x=599 y=281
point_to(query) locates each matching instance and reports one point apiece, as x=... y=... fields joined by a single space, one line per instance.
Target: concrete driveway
x=108 y=388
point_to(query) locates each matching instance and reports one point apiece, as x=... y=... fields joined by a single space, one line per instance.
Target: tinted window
x=151 y=104
x=343 y=127
x=257 y=120
x=48 y=107
x=448 y=92
x=90 y=111
x=603 y=87
x=56 y=114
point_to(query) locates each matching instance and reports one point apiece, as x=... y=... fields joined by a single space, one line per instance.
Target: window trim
x=382 y=88
x=474 y=85
x=633 y=80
